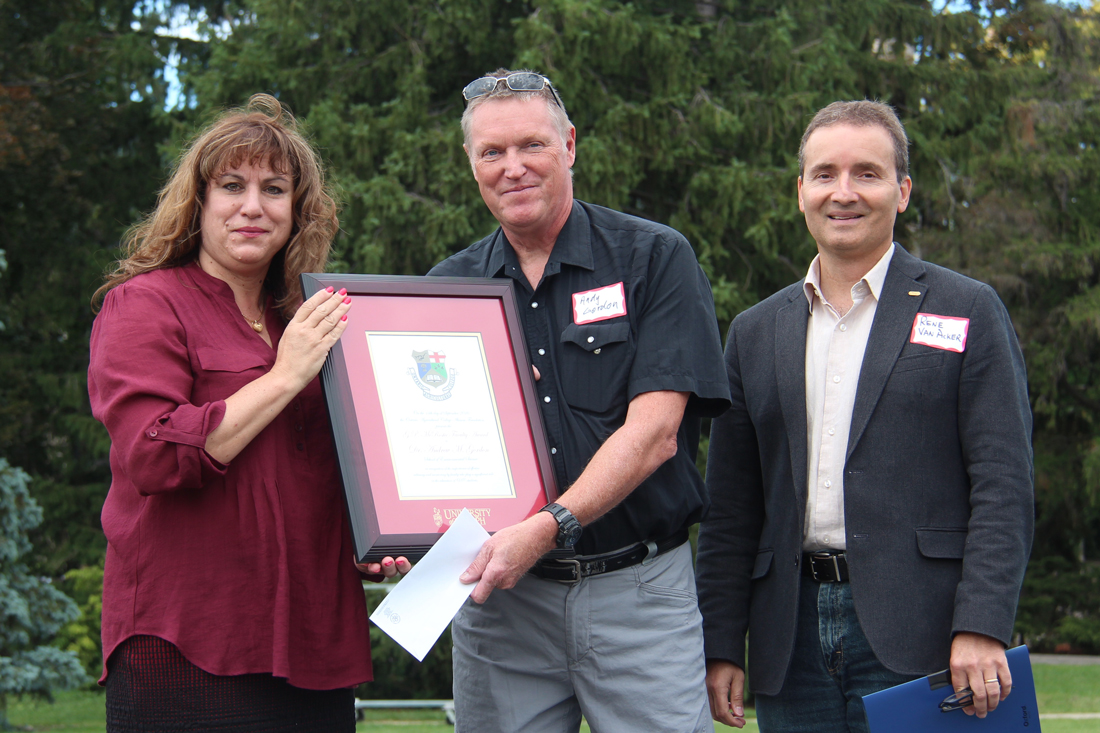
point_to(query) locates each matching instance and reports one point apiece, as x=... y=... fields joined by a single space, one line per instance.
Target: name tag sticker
x=599 y=304
x=940 y=332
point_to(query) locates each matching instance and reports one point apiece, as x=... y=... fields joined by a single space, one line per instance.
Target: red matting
x=440 y=314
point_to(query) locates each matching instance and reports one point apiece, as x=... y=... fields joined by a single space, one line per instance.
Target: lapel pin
x=914 y=292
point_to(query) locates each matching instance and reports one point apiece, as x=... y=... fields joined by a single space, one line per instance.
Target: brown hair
x=261 y=131
x=861 y=114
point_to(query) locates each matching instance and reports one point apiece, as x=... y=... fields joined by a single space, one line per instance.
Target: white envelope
x=420 y=606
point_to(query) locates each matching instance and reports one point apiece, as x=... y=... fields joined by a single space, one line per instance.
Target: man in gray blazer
x=871 y=487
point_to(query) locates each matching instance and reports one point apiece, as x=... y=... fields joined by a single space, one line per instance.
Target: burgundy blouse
x=246 y=567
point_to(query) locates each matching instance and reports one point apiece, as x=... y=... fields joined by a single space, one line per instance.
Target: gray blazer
x=938 y=481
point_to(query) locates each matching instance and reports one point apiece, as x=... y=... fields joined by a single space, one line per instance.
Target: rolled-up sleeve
x=140 y=381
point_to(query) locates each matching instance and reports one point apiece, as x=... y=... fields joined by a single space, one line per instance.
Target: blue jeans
x=832 y=668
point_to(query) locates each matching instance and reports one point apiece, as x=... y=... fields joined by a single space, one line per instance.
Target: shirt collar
x=572 y=247
x=875 y=278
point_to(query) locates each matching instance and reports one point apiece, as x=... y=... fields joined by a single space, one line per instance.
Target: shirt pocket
x=595 y=362
x=222 y=372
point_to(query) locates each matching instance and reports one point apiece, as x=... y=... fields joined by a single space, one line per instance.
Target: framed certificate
x=433 y=408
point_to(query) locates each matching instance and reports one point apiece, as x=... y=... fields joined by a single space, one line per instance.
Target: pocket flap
x=941 y=542
x=220 y=360
x=763 y=564
x=923 y=360
x=595 y=335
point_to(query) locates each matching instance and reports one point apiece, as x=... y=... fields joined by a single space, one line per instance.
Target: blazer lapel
x=790 y=372
x=890 y=330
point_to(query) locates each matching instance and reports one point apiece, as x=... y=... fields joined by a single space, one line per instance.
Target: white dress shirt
x=834 y=354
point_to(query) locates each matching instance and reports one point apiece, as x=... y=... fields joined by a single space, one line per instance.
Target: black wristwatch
x=569 y=529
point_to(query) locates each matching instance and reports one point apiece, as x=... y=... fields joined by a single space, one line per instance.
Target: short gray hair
x=501 y=91
x=865 y=113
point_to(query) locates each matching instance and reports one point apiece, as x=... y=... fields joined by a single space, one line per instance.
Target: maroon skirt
x=151 y=687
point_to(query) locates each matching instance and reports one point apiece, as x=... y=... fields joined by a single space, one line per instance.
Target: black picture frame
x=343 y=374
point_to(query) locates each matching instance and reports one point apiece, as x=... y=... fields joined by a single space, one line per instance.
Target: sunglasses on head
x=521 y=81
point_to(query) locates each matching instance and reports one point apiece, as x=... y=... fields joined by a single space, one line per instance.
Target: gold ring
x=993 y=680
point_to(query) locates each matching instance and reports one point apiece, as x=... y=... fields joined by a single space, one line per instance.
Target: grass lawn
x=1061 y=689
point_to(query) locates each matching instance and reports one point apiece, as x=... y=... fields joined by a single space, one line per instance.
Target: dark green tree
x=81 y=115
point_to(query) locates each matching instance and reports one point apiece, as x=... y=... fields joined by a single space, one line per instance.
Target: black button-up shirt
x=667 y=340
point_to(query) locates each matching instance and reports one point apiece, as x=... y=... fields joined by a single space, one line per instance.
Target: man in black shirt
x=619 y=320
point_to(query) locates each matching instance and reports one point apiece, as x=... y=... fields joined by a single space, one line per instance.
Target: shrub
x=81 y=636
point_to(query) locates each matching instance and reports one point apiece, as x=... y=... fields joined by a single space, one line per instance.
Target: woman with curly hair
x=230 y=600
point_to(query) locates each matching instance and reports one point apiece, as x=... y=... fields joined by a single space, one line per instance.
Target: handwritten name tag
x=940 y=332
x=599 y=304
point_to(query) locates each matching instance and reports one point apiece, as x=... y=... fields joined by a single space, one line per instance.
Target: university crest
x=431 y=374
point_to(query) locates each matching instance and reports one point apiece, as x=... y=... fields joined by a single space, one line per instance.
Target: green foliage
x=32 y=611
x=1060 y=606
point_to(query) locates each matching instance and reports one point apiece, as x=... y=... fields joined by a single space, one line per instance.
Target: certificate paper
x=441 y=415
x=421 y=605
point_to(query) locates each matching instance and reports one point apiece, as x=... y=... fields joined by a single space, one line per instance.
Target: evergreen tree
x=690 y=113
x=32 y=611
x=81 y=115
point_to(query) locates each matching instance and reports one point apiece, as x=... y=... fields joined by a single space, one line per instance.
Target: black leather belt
x=573 y=569
x=825 y=567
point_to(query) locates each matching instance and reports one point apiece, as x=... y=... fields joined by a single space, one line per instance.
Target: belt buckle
x=576 y=566
x=814 y=557
x=813 y=567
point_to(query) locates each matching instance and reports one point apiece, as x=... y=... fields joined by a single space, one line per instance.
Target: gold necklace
x=257 y=325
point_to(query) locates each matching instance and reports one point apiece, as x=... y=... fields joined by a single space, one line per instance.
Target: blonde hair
x=554 y=105
x=260 y=132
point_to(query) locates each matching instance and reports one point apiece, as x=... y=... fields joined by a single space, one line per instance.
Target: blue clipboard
x=914 y=707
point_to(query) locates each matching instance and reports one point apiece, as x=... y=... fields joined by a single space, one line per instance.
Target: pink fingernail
x=343 y=291
x=328 y=289
x=387 y=562
x=347 y=300
x=344 y=317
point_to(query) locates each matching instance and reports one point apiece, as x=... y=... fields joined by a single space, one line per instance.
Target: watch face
x=571 y=534
x=569 y=529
